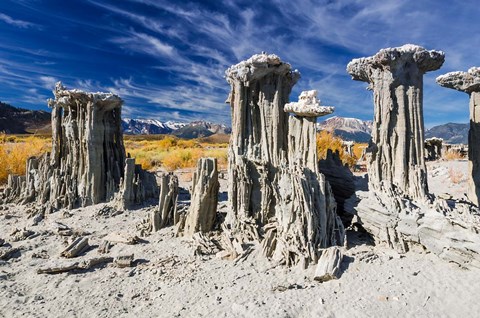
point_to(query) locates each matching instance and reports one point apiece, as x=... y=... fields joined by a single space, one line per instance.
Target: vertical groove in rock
x=275 y=189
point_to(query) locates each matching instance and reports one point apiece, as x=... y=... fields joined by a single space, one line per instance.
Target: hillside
x=15 y=120
x=451 y=133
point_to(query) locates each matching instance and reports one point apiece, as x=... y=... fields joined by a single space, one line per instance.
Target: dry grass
x=15 y=150
x=326 y=140
x=151 y=151
x=452 y=155
x=173 y=153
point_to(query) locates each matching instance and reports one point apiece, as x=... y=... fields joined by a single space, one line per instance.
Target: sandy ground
x=168 y=280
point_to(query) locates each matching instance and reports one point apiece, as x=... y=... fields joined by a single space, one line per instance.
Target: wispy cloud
x=17 y=23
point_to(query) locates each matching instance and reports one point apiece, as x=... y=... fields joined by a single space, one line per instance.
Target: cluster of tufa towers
x=277 y=195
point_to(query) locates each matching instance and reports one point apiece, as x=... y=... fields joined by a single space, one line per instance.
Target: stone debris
x=273 y=170
x=469 y=82
x=203 y=207
x=124 y=238
x=7 y=253
x=123 y=261
x=79 y=245
x=21 y=234
x=104 y=247
x=328 y=266
x=83 y=265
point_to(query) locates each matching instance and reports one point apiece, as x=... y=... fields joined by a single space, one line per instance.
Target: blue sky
x=167 y=59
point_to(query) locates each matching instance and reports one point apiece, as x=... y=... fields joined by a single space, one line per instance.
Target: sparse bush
x=452 y=155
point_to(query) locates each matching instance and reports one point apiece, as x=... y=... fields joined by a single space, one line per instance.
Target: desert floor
x=168 y=280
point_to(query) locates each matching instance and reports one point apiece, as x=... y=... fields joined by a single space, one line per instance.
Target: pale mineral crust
x=396 y=152
x=308 y=105
x=469 y=82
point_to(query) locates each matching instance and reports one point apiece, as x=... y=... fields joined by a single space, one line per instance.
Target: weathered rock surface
x=166 y=214
x=396 y=152
x=276 y=193
x=433 y=148
x=328 y=266
x=449 y=229
x=341 y=180
x=203 y=207
x=469 y=82
x=87 y=159
x=136 y=186
x=397 y=209
x=260 y=87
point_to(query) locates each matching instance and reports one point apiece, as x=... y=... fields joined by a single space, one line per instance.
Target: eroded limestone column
x=260 y=87
x=469 y=82
x=306 y=213
x=203 y=207
x=396 y=152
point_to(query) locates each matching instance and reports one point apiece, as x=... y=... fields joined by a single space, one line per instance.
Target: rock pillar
x=203 y=206
x=396 y=151
x=433 y=148
x=276 y=193
x=469 y=82
x=306 y=214
x=260 y=87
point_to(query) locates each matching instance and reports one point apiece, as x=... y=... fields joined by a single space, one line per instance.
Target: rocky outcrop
x=306 y=218
x=433 y=148
x=260 y=87
x=397 y=209
x=396 y=152
x=276 y=193
x=166 y=214
x=203 y=207
x=87 y=160
x=341 y=180
x=469 y=82
x=136 y=186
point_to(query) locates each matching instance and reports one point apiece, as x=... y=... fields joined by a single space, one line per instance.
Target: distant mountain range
x=15 y=120
x=359 y=131
x=352 y=129
x=191 y=130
